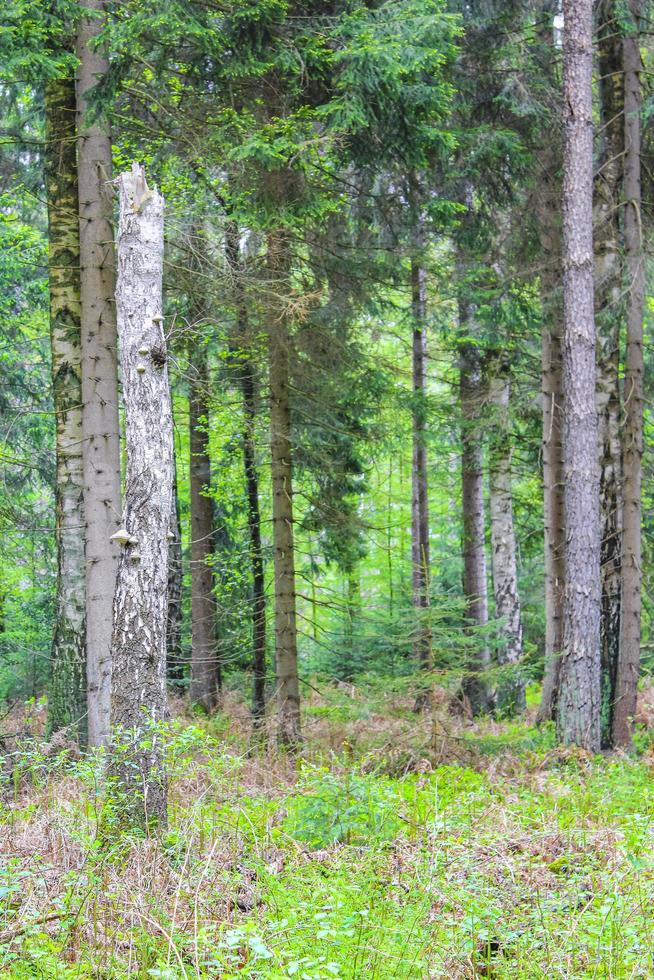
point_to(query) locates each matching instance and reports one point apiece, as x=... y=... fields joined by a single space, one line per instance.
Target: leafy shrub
x=349 y=809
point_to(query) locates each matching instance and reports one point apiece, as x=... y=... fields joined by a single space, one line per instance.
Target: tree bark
x=138 y=701
x=174 y=652
x=205 y=668
x=99 y=371
x=475 y=587
x=608 y=320
x=281 y=457
x=632 y=576
x=511 y=687
x=419 y=480
x=578 y=706
x=552 y=384
x=67 y=695
x=245 y=370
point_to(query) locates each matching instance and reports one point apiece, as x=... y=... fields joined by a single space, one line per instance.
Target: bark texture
x=419 y=480
x=205 y=667
x=511 y=687
x=475 y=587
x=138 y=701
x=245 y=370
x=67 y=695
x=281 y=471
x=578 y=706
x=99 y=370
x=632 y=577
x=608 y=321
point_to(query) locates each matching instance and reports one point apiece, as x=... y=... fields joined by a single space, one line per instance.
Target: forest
x=326 y=638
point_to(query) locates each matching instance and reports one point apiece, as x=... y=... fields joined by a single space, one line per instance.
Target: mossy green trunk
x=67 y=700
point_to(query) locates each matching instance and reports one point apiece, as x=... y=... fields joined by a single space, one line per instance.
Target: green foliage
x=351 y=810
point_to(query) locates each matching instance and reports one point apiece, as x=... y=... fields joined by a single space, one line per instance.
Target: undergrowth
x=399 y=846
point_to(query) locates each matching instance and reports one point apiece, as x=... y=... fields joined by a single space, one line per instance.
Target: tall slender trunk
x=632 y=575
x=419 y=483
x=138 y=700
x=352 y=617
x=247 y=380
x=552 y=394
x=511 y=687
x=281 y=470
x=389 y=539
x=578 y=705
x=205 y=667
x=475 y=587
x=99 y=371
x=608 y=320
x=67 y=696
x=174 y=653
x=547 y=199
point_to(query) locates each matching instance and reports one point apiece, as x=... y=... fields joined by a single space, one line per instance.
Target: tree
x=549 y=234
x=510 y=695
x=609 y=308
x=281 y=475
x=205 y=666
x=632 y=573
x=578 y=704
x=174 y=652
x=475 y=587
x=138 y=699
x=244 y=365
x=419 y=478
x=547 y=197
x=99 y=368
x=67 y=696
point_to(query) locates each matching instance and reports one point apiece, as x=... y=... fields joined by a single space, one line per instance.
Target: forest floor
x=400 y=846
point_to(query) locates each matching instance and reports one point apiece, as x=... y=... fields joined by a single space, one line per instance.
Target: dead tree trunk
x=281 y=471
x=511 y=687
x=138 y=701
x=632 y=575
x=205 y=668
x=67 y=694
x=475 y=588
x=578 y=705
x=99 y=371
x=245 y=370
x=419 y=481
x=608 y=319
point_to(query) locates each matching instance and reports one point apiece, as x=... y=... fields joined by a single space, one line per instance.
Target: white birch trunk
x=138 y=700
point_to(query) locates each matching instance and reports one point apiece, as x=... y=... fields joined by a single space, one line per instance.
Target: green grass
x=522 y=861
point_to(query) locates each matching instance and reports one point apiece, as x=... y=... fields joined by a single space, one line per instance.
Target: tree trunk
x=419 y=484
x=632 y=576
x=552 y=383
x=138 y=700
x=67 y=696
x=205 y=668
x=511 y=687
x=578 y=706
x=246 y=376
x=608 y=319
x=288 y=689
x=474 y=544
x=99 y=372
x=174 y=653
